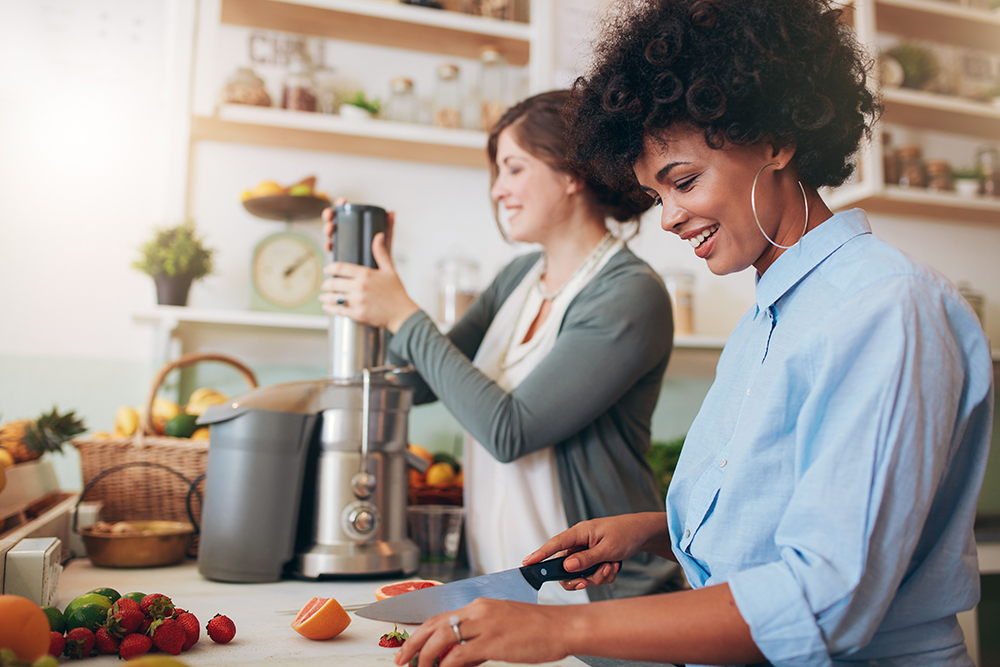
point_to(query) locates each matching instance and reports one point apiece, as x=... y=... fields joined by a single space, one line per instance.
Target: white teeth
x=696 y=241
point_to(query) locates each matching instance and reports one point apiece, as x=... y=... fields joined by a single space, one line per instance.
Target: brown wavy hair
x=538 y=126
x=743 y=71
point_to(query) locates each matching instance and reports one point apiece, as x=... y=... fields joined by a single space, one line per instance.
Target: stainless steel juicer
x=309 y=479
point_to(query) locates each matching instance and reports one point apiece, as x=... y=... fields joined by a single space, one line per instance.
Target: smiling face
x=536 y=196
x=705 y=197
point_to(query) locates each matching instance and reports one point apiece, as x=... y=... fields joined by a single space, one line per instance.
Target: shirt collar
x=818 y=244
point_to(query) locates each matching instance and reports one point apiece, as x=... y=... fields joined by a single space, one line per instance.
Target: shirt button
x=722 y=463
x=687 y=533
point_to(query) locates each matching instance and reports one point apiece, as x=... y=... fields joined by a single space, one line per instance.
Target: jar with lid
x=402 y=104
x=299 y=92
x=911 y=167
x=457 y=288
x=448 y=97
x=988 y=160
x=938 y=175
x=680 y=287
x=245 y=87
x=492 y=86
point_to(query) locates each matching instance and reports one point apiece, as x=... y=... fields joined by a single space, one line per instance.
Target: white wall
x=84 y=178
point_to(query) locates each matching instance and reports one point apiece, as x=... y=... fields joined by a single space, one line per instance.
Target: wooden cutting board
x=262 y=613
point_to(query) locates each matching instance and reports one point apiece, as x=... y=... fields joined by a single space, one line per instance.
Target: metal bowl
x=152 y=544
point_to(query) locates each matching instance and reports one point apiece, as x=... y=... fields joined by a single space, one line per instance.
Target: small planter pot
x=172 y=290
x=351 y=112
x=967 y=187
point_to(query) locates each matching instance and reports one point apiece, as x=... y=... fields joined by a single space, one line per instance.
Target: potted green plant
x=174 y=257
x=967 y=181
x=920 y=65
x=358 y=106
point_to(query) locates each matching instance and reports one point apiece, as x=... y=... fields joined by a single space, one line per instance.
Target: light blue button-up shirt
x=832 y=474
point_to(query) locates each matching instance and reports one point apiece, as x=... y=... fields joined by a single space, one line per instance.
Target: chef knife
x=520 y=584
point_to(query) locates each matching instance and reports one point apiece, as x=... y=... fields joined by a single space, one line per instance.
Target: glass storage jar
x=938 y=175
x=492 y=87
x=988 y=160
x=457 y=288
x=299 y=91
x=245 y=87
x=448 y=97
x=911 y=167
x=402 y=104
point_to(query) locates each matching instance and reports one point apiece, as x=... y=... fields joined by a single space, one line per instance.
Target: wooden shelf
x=173 y=315
x=916 y=202
x=937 y=21
x=385 y=24
x=266 y=126
x=941 y=113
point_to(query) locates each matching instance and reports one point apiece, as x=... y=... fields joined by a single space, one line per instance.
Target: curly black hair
x=744 y=71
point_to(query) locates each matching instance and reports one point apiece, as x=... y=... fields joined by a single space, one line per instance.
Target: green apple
x=300 y=190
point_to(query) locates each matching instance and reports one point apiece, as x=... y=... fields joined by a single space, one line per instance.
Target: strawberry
x=121 y=604
x=144 y=628
x=134 y=646
x=125 y=622
x=189 y=622
x=157 y=605
x=394 y=639
x=221 y=629
x=168 y=635
x=57 y=643
x=106 y=642
x=79 y=643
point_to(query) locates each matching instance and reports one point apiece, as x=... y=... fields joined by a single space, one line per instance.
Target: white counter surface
x=262 y=614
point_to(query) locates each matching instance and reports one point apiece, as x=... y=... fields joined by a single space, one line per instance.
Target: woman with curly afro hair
x=823 y=504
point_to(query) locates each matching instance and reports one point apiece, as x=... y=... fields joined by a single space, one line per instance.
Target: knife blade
x=519 y=584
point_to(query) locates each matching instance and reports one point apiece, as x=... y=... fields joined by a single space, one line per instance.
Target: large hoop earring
x=753 y=207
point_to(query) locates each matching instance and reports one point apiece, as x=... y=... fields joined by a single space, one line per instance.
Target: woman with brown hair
x=555 y=369
x=823 y=504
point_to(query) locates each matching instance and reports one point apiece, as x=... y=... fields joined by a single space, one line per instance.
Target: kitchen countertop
x=262 y=614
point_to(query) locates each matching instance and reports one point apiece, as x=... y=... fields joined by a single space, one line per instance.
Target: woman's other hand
x=605 y=540
x=375 y=297
x=491 y=630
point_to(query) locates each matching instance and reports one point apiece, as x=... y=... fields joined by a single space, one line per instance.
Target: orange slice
x=391 y=590
x=321 y=618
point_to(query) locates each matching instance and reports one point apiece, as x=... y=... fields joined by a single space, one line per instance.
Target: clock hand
x=299 y=262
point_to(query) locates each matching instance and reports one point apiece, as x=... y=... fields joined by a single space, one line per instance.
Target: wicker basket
x=148 y=477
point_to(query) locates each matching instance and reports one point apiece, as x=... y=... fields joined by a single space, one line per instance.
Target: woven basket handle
x=184 y=361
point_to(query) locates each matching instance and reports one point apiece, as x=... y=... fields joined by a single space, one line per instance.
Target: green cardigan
x=591 y=397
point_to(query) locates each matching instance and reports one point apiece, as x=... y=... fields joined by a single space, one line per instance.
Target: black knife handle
x=553 y=570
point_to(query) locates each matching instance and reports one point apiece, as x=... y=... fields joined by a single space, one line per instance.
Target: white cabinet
x=937 y=21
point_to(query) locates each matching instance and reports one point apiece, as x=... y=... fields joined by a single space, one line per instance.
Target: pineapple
x=27 y=439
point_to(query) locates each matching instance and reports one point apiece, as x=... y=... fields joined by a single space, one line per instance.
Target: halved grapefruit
x=391 y=590
x=321 y=618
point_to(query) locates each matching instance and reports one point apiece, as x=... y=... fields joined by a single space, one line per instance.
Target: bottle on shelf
x=680 y=287
x=448 y=97
x=911 y=167
x=492 y=86
x=299 y=91
x=402 y=104
x=938 y=175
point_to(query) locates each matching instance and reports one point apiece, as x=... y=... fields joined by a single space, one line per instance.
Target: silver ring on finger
x=454 y=622
x=341 y=301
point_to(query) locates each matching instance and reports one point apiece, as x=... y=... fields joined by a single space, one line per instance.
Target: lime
x=86 y=598
x=87 y=615
x=135 y=596
x=57 y=621
x=109 y=593
x=181 y=426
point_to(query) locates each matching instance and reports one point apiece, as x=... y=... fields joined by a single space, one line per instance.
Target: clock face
x=287 y=269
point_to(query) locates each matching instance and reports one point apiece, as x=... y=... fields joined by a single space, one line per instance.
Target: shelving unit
x=387 y=24
x=940 y=22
